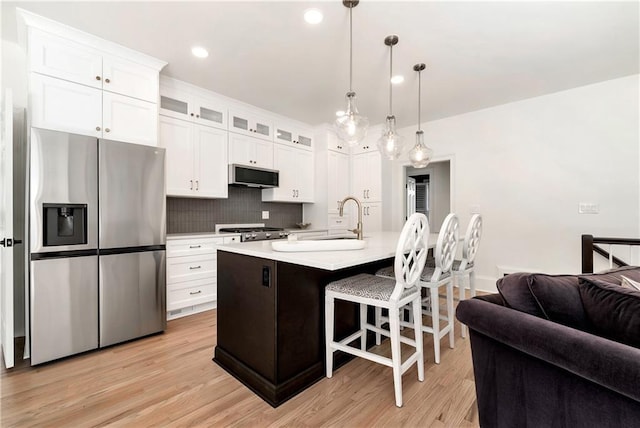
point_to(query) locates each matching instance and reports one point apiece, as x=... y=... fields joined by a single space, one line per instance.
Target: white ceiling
x=478 y=54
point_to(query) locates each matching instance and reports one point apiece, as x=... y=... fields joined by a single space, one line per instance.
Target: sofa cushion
x=614 y=311
x=555 y=297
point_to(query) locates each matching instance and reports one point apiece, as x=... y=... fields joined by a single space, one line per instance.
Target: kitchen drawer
x=190 y=296
x=191 y=267
x=192 y=247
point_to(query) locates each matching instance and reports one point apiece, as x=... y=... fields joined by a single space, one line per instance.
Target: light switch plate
x=265 y=215
x=588 y=208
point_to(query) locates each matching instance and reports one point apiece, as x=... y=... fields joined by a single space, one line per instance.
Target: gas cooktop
x=253 y=232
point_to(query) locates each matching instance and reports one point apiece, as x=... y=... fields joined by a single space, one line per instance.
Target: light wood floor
x=170 y=380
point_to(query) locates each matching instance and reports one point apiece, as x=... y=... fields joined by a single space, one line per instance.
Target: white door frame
x=6 y=231
x=399 y=202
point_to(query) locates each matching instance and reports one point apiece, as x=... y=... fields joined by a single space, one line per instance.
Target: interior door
x=6 y=230
x=411 y=196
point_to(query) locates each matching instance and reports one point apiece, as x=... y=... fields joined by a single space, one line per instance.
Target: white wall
x=528 y=164
x=13 y=72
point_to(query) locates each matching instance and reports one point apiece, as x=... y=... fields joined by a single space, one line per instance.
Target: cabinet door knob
x=107 y=130
x=107 y=81
x=97 y=77
x=191 y=114
x=191 y=185
x=97 y=128
x=197 y=115
x=197 y=184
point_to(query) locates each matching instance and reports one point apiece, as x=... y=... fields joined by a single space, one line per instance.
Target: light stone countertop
x=380 y=246
x=188 y=235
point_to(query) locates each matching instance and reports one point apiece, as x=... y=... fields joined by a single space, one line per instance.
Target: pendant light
x=351 y=127
x=390 y=143
x=420 y=155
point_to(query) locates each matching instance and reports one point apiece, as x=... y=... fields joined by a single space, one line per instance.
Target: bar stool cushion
x=368 y=286
x=427 y=273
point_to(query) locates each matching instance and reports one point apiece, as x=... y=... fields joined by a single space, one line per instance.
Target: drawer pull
x=195 y=292
x=195 y=246
x=195 y=267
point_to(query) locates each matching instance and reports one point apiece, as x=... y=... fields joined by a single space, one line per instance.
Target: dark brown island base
x=271 y=312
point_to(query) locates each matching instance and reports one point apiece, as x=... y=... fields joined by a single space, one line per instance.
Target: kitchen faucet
x=358 y=229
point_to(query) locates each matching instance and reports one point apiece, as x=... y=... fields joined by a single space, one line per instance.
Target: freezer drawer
x=63 y=307
x=132 y=295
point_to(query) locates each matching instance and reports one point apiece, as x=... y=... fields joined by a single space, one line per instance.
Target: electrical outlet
x=588 y=208
x=265 y=215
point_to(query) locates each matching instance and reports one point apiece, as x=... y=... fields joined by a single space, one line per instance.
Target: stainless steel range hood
x=251 y=176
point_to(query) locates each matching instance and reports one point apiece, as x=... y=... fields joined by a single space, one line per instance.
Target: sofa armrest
x=610 y=364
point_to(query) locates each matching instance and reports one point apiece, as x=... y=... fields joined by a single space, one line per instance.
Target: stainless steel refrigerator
x=97 y=243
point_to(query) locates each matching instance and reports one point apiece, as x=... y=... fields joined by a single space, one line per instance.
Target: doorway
x=428 y=191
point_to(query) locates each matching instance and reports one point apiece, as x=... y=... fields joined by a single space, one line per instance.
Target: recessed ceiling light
x=397 y=79
x=200 y=52
x=313 y=16
x=340 y=113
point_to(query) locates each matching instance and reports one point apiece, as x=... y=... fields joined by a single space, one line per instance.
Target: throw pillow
x=613 y=311
x=515 y=292
x=630 y=283
x=555 y=297
x=559 y=299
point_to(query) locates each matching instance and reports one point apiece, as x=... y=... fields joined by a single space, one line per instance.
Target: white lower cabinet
x=371 y=217
x=192 y=273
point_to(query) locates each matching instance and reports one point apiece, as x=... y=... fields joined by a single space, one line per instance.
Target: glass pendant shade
x=390 y=143
x=420 y=155
x=351 y=127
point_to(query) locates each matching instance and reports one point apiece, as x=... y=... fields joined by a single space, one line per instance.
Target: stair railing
x=589 y=247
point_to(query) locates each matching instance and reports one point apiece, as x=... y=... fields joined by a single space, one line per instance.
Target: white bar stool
x=463 y=270
x=432 y=278
x=388 y=293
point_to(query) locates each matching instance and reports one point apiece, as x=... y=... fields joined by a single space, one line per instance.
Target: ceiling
x=478 y=54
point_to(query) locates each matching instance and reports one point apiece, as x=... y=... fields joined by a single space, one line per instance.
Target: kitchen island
x=271 y=311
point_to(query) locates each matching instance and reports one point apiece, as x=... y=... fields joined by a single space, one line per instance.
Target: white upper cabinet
x=245 y=150
x=196 y=159
x=83 y=84
x=335 y=144
x=337 y=179
x=64 y=59
x=65 y=106
x=130 y=79
x=295 y=168
x=288 y=133
x=250 y=123
x=187 y=102
x=129 y=119
x=366 y=173
x=211 y=162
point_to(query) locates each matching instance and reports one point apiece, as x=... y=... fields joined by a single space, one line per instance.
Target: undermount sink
x=341 y=244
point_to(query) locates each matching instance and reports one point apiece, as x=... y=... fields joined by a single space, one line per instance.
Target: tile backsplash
x=244 y=205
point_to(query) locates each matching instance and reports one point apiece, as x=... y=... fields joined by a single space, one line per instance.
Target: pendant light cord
x=390 y=76
x=350 y=48
x=419 y=92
